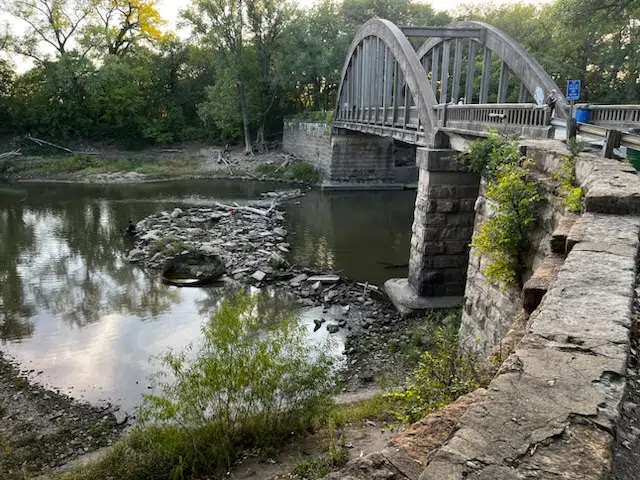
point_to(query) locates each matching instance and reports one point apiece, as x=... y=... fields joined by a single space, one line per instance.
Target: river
x=83 y=320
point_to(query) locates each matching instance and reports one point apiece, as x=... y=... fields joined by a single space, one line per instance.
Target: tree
x=52 y=22
x=267 y=20
x=221 y=23
x=122 y=24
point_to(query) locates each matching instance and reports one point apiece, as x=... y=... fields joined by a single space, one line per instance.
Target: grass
x=91 y=165
x=299 y=171
x=333 y=459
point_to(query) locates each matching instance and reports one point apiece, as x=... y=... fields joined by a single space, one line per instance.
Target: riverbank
x=42 y=429
x=154 y=165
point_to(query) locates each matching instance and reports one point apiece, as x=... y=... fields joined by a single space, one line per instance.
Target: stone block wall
x=358 y=157
x=310 y=141
x=488 y=309
x=442 y=225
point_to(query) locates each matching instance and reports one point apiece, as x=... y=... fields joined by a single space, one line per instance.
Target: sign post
x=573 y=94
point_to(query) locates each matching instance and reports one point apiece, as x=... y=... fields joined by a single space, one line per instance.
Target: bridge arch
x=514 y=56
x=381 y=67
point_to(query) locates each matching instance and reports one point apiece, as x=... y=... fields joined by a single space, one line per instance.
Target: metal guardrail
x=628 y=140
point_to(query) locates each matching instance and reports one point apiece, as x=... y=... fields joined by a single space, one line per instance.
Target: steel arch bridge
x=390 y=89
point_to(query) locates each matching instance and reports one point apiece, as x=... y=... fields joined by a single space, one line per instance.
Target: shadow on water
x=71 y=306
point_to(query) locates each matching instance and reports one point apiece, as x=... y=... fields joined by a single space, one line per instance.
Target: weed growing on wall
x=573 y=194
x=503 y=238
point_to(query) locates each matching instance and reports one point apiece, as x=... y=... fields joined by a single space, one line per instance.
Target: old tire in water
x=192 y=270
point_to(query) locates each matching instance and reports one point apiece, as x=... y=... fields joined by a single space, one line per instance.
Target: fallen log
x=41 y=142
x=264 y=213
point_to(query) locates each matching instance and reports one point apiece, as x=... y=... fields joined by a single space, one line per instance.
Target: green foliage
x=299 y=171
x=444 y=373
x=487 y=156
x=573 y=194
x=503 y=238
x=254 y=382
x=335 y=458
x=88 y=165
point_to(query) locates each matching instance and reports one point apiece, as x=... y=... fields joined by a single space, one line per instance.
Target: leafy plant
x=573 y=194
x=486 y=156
x=503 y=238
x=254 y=382
x=444 y=373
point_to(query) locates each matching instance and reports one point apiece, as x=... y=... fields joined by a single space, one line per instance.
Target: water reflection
x=71 y=306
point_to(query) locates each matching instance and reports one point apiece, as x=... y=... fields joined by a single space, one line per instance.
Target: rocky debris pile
x=42 y=429
x=283 y=195
x=249 y=238
x=252 y=242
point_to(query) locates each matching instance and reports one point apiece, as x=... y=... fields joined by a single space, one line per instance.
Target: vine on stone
x=503 y=239
x=573 y=194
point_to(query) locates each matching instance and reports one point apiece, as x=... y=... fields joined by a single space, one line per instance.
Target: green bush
x=573 y=194
x=503 y=238
x=444 y=373
x=254 y=383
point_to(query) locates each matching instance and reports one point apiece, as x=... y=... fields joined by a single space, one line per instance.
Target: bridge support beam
x=442 y=231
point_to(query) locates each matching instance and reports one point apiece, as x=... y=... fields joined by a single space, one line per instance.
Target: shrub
x=573 y=194
x=254 y=382
x=503 y=238
x=444 y=373
x=300 y=171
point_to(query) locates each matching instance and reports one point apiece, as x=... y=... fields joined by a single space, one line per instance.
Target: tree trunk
x=248 y=148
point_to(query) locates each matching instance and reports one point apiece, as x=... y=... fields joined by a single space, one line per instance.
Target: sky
x=169 y=9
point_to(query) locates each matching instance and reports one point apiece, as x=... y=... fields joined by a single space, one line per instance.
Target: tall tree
x=51 y=22
x=221 y=24
x=120 y=25
x=267 y=20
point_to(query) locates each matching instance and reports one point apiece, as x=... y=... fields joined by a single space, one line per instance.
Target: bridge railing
x=523 y=118
x=614 y=115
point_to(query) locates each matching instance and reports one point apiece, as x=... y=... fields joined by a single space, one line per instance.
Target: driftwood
x=284 y=164
x=40 y=142
x=264 y=213
x=14 y=153
x=222 y=158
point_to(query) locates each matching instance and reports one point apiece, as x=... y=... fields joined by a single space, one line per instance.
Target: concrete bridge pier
x=442 y=231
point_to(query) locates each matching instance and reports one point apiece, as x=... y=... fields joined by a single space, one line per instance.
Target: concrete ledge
x=409 y=303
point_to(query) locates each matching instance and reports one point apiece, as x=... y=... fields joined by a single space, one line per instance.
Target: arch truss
x=467 y=76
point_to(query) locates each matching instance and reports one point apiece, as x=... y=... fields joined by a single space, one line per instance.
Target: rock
x=316 y=286
x=120 y=416
x=281 y=232
x=177 y=212
x=259 y=276
x=277 y=261
x=135 y=255
x=318 y=324
x=297 y=281
x=332 y=328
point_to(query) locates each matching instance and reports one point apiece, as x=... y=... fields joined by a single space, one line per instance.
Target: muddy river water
x=83 y=320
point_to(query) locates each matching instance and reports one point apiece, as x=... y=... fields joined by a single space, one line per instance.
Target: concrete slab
x=407 y=302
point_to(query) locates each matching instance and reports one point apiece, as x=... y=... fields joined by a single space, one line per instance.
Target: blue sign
x=573 y=90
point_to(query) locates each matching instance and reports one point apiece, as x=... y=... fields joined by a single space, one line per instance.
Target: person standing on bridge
x=552 y=99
